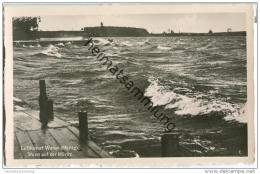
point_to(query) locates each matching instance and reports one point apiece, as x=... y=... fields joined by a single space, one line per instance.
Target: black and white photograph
x=131 y=85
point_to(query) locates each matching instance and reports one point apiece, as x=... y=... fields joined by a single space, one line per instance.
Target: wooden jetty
x=38 y=135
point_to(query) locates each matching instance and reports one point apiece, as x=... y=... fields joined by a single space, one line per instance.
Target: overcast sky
x=155 y=23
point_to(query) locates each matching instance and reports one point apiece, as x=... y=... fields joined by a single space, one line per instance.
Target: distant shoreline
x=113 y=32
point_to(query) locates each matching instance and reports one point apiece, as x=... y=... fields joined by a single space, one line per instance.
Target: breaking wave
x=101 y=41
x=52 y=51
x=127 y=43
x=146 y=42
x=192 y=105
x=60 y=44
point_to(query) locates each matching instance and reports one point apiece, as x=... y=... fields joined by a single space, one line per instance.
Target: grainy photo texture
x=130 y=85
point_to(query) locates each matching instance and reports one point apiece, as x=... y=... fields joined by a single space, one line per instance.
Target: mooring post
x=83 y=126
x=169 y=144
x=43 y=104
x=50 y=109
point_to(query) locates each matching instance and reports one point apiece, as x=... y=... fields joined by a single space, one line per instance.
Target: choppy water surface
x=200 y=82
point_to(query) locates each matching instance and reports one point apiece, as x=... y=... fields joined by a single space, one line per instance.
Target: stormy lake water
x=199 y=82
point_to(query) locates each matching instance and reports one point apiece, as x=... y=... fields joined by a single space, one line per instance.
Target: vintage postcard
x=128 y=85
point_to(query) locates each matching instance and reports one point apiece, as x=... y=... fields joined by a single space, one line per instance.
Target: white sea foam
x=52 y=51
x=217 y=62
x=73 y=82
x=163 y=48
x=101 y=41
x=60 y=44
x=146 y=42
x=186 y=105
x=159 y=96
x=68 y=43
x=240 y=115
x=127 y=43
x=32 y=46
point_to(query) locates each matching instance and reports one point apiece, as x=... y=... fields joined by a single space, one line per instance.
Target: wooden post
x=50 y=109
x=83 y=126
x=169 y=145
x=43 y=104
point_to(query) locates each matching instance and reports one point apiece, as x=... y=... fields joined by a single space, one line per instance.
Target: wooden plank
x=24 y=122
x=98 y=150
x=32 y=113
x=27 y=147
x=91 y=144
x=17 y=149
x=43 y=138
x=66 y=139
x=52 y=124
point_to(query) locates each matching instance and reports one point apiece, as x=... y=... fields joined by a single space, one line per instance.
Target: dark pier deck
x=59 y=140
